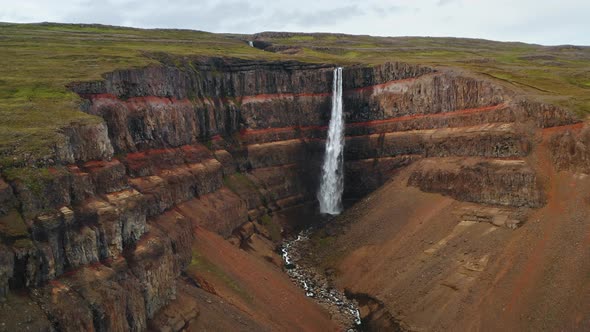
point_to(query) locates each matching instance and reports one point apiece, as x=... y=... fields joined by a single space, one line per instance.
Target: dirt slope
x=436 y=264
x=255 y=287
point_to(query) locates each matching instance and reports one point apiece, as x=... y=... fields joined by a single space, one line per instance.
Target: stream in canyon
x=315 y=284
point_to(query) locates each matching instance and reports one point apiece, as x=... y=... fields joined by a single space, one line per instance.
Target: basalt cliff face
x=107 y=240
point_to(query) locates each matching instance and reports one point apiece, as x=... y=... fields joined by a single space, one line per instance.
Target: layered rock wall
x=220 y=144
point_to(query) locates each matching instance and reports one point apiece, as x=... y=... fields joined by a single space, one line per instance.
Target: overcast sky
x=546 y=22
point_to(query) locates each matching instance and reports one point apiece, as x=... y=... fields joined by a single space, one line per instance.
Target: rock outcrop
x=103 y=237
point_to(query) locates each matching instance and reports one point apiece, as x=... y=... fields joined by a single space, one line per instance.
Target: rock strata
x=102 y=236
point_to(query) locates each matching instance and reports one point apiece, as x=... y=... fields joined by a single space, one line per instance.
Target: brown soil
x=255 y=287
x=416 y=254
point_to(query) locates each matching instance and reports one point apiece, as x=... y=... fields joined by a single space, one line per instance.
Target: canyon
x=466 y=202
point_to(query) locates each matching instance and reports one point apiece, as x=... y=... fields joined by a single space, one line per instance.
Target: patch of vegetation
x=37 y=61
x=238 y=182
x=321 y=239
x=12 y=225
x=300 y=38
x=35 y=179
x=200 y=264
x=208 y=144
x=25 y=243
x=274 y=228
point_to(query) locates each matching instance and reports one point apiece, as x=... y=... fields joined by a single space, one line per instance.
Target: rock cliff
x=104 y=238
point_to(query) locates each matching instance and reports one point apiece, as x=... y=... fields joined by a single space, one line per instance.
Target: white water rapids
x=332 y=182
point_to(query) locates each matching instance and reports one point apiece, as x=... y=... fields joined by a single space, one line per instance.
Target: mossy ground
x=35 y=179
x=273 y=227
x=12 y=225
x=239 y=182
x=200 y=265
x=38 y=60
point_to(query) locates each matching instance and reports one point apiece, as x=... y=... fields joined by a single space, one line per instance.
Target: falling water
x=251 y=43
x=332 y=182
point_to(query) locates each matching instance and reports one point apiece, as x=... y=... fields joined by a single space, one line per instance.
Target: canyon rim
x=156 y=179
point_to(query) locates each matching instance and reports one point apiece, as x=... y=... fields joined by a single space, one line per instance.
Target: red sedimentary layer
x=423 y=116
x=94 y=164
x=376 y=122
x=575 y=127
x=265 y=97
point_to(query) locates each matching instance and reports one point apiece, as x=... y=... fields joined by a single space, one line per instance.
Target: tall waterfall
x=332 y=182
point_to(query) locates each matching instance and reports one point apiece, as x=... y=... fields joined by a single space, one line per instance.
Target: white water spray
x=251 y=43
x=332 y=182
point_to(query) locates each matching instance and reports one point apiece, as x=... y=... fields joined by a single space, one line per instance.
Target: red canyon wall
x=104 y=239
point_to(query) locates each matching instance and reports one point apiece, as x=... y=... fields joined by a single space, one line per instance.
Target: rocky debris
x=498 y=216
x=315 y=284
x=375 y=316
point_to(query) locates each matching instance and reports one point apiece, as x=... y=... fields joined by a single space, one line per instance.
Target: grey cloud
x=388 y=10
x=444 y=2
x=524 y=20
x=324 y=17
x=210 y=16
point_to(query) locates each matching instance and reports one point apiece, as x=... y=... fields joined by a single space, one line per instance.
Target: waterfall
x=332 y=182
x=251 y=43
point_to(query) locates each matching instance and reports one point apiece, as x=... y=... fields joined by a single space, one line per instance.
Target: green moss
x=300 y=38
x=12 y=225
x=208 y=144
x=321 y=240
x=274 y=229
x=238 y=182
x=35 y=179
x=200 y=264
x=23 y=243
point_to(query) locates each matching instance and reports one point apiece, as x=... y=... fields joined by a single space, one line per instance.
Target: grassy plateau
x=38 y=60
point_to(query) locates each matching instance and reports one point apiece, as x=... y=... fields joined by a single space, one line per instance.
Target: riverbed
x=315 y=284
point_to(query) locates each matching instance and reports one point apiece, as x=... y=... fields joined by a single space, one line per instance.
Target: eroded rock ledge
x=221 y=144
